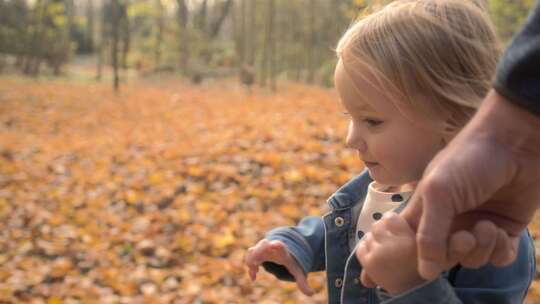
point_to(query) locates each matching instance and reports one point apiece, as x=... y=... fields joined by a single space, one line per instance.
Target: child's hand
x=276 y=252
x=388 y=255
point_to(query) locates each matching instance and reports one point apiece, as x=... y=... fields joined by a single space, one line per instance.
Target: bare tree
x=312 y=47
x=125 y=32
x=33 y=50
x=103 y=39
x=183 y=15
x=216 y=26
x=160 y=22
x=115 y=30
x=269 y=56
x=90 y=25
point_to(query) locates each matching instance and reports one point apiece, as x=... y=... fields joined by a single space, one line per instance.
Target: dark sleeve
x=518 y=72
x=304 y=242
x=486 y=285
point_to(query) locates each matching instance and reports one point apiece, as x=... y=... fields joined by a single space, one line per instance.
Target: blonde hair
x=438 y=56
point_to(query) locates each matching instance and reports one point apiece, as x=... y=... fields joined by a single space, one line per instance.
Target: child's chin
x=380 y=179
x=375 y=175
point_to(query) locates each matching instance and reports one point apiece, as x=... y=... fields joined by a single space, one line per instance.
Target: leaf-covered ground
x=153 y=195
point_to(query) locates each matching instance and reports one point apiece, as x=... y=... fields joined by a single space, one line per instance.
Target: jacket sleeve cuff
x=518 y=100
x=301 y=252
x=436 y=291
x=517 y=72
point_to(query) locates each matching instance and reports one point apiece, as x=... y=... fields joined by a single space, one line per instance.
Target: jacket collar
x=350 y=193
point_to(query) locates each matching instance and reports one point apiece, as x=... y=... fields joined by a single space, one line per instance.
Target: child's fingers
x=362 y=256
x=361 y=251
x=366 y=280
x=263 y=251
x=505 y=250
x=396 y=223
x=461 y=243
x=485 y=233
x=253 y=272
x=256 y=255
x=292 y=266
x=251 y=263
x=253 y=268
x=379 y=230
x=277 y=253
x=367 y=241
x=301 y=282
x=253 y=254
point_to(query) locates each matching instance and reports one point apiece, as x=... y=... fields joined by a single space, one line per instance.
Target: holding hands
x=389 y=258
x=388 y=255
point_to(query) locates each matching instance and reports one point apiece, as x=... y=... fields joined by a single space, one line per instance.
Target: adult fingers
x=505 y=250
x=485 y=234
x=434 y=226
x=460 y=244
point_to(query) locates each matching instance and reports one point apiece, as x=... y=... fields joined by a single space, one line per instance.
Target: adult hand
x=490 y=170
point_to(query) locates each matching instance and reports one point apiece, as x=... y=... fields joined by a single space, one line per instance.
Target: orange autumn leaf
x=153 y=195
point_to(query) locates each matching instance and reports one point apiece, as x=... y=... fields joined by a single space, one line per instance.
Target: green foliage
x=509 y=16
x=305 y=32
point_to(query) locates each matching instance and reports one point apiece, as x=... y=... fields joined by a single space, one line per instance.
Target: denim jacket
x=325 y=243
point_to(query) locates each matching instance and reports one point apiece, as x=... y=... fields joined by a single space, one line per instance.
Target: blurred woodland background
x=146 y=144
x=262 y=41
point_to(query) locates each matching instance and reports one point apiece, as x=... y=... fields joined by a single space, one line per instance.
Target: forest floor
x=153 y=195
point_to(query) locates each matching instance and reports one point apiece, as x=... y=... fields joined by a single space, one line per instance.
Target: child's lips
x=370 y=164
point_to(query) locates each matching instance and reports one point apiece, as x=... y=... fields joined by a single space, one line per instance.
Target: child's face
x=395 y=150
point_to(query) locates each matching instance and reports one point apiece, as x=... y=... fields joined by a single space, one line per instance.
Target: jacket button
x=356 y=281
x=339 y=221
x=338 y=282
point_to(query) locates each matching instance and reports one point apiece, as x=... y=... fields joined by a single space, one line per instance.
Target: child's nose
x=358 y=144
x=355 y=141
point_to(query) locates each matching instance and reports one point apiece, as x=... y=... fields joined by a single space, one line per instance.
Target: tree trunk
x=102 y=42
x=115 y=11
x=183 y=15
x=243 y=30
x=216 y=27
x=159 y=34
x=312 y=41
x=297 y=36
x=252 y=33
x=273 y=63
x=90 y=26
x=33 y=58
x=268 y=70
x=266 y=50
x=126 y=36
x=202 y=16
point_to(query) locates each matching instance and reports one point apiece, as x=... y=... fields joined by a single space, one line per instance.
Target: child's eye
x=372 y=122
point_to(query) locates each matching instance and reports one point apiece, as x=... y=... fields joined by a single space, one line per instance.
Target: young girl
x=409 y=77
